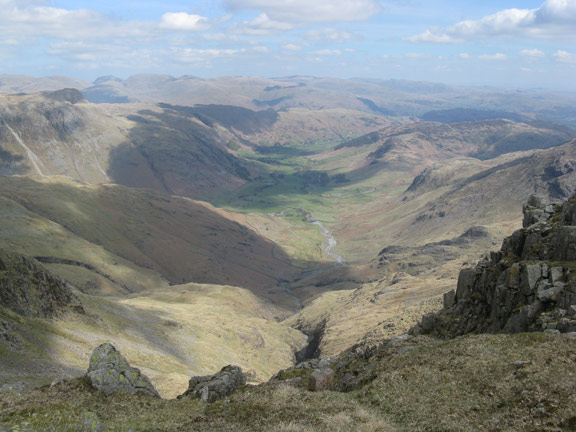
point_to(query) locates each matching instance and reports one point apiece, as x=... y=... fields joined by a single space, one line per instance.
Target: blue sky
x=497 y=43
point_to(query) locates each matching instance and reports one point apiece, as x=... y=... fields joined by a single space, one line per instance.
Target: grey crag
x=215 y=387
x=110 y=372
x=530 y=285
x=30 y=290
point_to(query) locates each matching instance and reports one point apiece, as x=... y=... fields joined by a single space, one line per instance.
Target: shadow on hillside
x=176 y=152
x=12 y=164
x=183 y=240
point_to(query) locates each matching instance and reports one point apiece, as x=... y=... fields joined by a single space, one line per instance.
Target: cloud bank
x=554 y=19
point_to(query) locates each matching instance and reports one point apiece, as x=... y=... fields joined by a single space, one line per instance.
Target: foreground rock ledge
x=529 y=285
x=110 y=373
x=215 y=387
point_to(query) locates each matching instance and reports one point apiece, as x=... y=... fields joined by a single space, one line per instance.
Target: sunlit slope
x=381 y=166
x=111 y=227
x=171 y=334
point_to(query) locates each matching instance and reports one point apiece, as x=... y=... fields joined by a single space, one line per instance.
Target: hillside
x=427 y=141
x=446 y=219
x=111 y=239
x=473 y=382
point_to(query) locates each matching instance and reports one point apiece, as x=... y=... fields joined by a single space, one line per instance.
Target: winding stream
x=329 y=241
x=327 y=246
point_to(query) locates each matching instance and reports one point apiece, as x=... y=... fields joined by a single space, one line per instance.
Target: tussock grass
x=522 y=382
x=490 y=383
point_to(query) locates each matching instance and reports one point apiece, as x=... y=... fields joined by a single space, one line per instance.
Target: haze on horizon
x=526 y=43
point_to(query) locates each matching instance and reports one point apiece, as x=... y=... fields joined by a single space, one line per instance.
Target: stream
x=327 y=246
x=329 y=241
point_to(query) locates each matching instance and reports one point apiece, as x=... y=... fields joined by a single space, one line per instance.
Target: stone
x=449 y=299
x=110 y=373
x=398 y=339
x=537 y=201
x=465 y=282
x=566 y=247
x=556 y=274
x=530 y=275
x=89 y=422
x=215 y=387
x=547 y=293
x=519 y=364
x=13 y=387
x=428 y=322
x=321 y=379
x=57 y=381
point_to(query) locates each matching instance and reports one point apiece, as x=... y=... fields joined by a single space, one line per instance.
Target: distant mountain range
x=437 y=102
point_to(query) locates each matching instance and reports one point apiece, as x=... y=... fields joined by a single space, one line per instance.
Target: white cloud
x=488 y=57
x=328 y=52
x=192 y=55
x=183 y=21
x=417 y=56
x=260 y=49
x=219 y=37
x=564 y=57
x=261 y=25
x=532 y=53
x=298 y=11
x=329 y=35
x=493 y=57
x=554 y=19
x=291 y=47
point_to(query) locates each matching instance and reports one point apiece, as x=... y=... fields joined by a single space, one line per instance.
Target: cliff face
x=529 y=285
x=30 y=290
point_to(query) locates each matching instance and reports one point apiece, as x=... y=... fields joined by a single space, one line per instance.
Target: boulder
x=110 y=373
x=321 y=379
x=215 y=387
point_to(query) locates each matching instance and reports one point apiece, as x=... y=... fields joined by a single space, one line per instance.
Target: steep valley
x=302 y=222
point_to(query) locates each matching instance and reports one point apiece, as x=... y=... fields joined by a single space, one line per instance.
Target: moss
x=304 y=374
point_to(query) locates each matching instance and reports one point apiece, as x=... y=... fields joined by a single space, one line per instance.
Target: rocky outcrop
x=215 y=387
x=30 y=290
x=345 y=372
x=71 y=95
x=111 y=373
x=530 y=285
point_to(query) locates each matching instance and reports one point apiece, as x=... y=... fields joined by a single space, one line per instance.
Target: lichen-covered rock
x=110 y=372
x=529 y=285
x=215 y=387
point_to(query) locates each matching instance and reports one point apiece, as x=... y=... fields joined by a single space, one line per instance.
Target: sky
x=504 y=43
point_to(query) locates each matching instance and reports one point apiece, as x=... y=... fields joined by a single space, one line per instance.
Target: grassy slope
x=177 y=238
x=468 y=384
x=171 y=334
